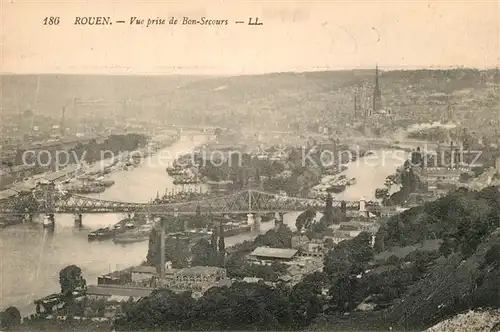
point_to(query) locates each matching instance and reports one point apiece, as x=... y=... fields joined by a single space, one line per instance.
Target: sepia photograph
x=248 y=166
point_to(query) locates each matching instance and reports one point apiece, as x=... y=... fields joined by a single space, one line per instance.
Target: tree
x=11 y=318
x=304 y=219
x=222 y=246
x=276 y=238
x=342 y=292
x=203 y=254
x=343 y=207
x=393 y=260
x=306 y=303
x=329 y=208
x=257 y=175
x=492 y=256
x=71 y=280
x=213 y=239
x=329 y=244
x=153 y=256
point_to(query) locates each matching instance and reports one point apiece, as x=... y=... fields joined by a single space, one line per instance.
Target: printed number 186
x=51 y=20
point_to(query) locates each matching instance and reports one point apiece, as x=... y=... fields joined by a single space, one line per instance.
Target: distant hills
x=278 y=97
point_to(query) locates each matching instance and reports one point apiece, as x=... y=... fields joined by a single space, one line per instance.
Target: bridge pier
x=79 y=220
x=52 y=220
x=257 y=222
x=250 y=219
x=28 y=217
x=278 y=219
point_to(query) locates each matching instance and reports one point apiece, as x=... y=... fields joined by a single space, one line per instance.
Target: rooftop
x=342 y=234
x=61 y=173
x=197 y=270
x=251 y=279
x=23 y=186
x=224 y=283
x=144 y=269
x=274 y=252
x=118 y=291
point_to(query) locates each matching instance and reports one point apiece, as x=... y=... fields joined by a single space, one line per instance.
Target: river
x=31 y=258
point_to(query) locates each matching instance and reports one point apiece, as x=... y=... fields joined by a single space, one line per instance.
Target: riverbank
x=31 y=257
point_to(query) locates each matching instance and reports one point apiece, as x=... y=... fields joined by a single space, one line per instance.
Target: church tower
x=377 y=95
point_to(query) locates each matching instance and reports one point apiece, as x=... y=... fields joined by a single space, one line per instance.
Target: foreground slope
x=472 y=321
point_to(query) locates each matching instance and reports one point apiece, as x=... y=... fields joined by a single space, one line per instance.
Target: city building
x=49 y=304
x=374 y=108
x=314 y=249
x=114 y=296
x=106 y=291
x=197 y=279
x=143 y=274
x=18 y=173
x=299 y=268
x=122 y=277
x=169 y=273
x=440 y=177
x=339 y=236
x=252 y=280
x=69 y=171
x=267 y=255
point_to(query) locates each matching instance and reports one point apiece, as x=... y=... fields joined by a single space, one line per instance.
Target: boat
x=185 y=180
x=87 y=189
x=230 y=229
x=48 y=221
x=172 y=171
x=136 y=158
x=233 y=229
x=351 y=182
x=137 y=234
x=336 y=188
x=128 y=166
x=338 y=185
x=105 y=183
x=102 y=234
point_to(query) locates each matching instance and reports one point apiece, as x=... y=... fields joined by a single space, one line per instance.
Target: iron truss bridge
x=249 y=201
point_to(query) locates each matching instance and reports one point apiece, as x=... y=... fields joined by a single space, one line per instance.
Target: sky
x=295 y=36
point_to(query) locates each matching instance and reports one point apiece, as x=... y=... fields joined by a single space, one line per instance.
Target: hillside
x=472 y=321
x=431 y=262
x=451 y=286
x=281 y=97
